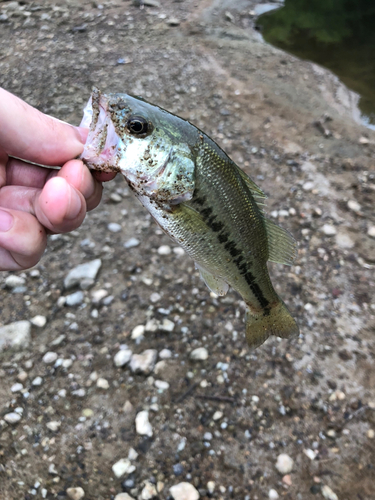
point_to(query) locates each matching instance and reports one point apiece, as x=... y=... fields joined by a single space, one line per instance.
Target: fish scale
x=201 y=199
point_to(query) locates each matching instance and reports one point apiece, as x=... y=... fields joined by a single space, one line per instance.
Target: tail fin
x=276 y=321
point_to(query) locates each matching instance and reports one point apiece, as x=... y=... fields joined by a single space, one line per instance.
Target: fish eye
x=137 y=125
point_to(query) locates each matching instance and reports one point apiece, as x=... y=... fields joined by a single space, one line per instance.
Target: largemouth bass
x=199 y=197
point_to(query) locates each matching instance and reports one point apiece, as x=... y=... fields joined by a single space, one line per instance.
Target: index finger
x=30 y=134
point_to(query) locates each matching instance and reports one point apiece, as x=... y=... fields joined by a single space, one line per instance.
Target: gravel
x=199 y=354
x=16 y=336
x=144 y=363
x=284 y=464
x=142 y=424
x=184 y=491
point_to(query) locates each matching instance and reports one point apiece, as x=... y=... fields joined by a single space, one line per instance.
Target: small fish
x=200 y=198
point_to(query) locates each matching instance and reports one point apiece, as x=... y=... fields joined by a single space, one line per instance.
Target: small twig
x=224 y=399
x=186 y=393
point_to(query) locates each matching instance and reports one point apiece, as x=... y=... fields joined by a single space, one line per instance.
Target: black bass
x=199 y=197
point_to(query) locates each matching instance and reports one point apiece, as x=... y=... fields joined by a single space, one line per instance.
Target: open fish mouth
x=103 y=148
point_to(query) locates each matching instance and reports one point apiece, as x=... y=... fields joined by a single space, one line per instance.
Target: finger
x=20 y=173
x=34 y=136
x=22 y=240
x=103 y=176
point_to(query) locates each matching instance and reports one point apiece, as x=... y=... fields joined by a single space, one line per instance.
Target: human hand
x=36 y=201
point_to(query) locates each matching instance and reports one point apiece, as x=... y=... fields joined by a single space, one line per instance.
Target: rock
x=149 y=491
x=371 y=231
x=102 y=383
x=123 y=466
x=167 y=325
x=132 y=455
x=211 y=487
x=217 y=415
x=151 y=3
x=165 y=354
x=15 y=335
x=133 y=242
x=16 y=387
x=75 y=493
x=39 y=321
x=328 y=493
x=98 y=295
x=184 y=491
x=370 y=434
x=122 y=357
x=273 y=495
x=13 y=281
x=343 y=240
x=12 y=418
x=329 y=230
x=142 y=424
x=354 y=206
x=123 y=496
x=137 y=332
x=89 y=270
x=50 y=357
x=155 y=297
x=173 y=21
x=74 y=299
x=161 y=384
x=114 y=227
x=284 y=464
x=144 y=363
x=164 y=250
x=152 y=325
x=54 y=425
x=199 y=354
x=116 y=198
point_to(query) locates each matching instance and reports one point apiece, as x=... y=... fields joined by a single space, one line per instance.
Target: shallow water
x=337 y=34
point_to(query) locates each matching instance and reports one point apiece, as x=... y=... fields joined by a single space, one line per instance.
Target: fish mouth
x=102 y=150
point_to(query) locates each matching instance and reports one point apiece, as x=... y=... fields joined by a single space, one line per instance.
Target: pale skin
x=36 y=201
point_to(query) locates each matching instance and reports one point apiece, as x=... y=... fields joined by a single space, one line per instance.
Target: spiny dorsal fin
x=215 y=284
x=282 y=247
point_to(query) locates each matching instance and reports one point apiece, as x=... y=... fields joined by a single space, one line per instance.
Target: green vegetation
x=337 y=34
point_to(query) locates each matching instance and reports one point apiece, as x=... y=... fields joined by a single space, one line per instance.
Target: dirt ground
x=292 y=127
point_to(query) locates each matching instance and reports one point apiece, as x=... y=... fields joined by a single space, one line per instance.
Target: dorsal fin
x=254 y=189
x=282 y=247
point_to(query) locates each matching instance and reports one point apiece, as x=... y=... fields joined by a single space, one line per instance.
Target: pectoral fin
x=216 y=285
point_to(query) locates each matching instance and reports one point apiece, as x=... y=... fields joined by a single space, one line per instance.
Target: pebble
x=284 y=464
x=123 y=496
x=12 y=281
x=328 y=493
x=16 y=335
x=164 y=250
x=50 y=357
x=371 y=231
x=155 y=297
x=217 y=415
x=184 y=491
x=149 y=491
x=102 y=383
x=132 y=455
x=37 y=381
x=173 y=21
x=161 y=384
x=343 y=240
x=116 y=198
x=371 y=433
x=114 y=227
x=273 y=495
x=122 y=357
x=16 y=387
x=329 y=230
x=354 y=206
x=98 y=295
x=54 y=425
x=308 y=186
x=144 y=363
x=75 y=493
x=152 y=325
x=165 y=354
x=12 y=418
x=199 y=354
x=137 y=332
x=22 y=376
x=142 y=424
x=133 y=242
x=310 y=453
x=128 y=407
x=167 y=325
x=211 y=487
x=74 y=299
x=89 y=270
x=123 y=466
x=39 y=321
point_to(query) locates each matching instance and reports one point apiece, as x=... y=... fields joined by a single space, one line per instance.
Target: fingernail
x=6 y=221
x=75 y=205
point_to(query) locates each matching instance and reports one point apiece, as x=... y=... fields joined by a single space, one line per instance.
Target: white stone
x=114 y=227
x=122 y=467
x=144 y=363
x=343 y=240
x=159 y=367
x=149 y=491
x=284 y=464
x=132 y=455
x=167 y=325
x=199 y=354
x=371 y=231
x=273 y=495
x=54 y=425
x=164 y=250
x=122 y=357
x=217 y=415
x=354 y=206
x=12 y=281
x=308 y=186
x=137 y=331
x=328 y=493
x=12 y=418
x=165 y=354
x=152 y=325
x=67 y=363
x=133 y=242
x=128 y=407
x=211 y=487
x=39 y=321
x=98 y=295
x=102 y=383
x=161 y=384
x=178 y=251
x=184 y=491
x=75 y=493
x=155 y=297
x=310 y=453
x=74 y=299
x=15 y=335
x=142 y=424
x=89 y=270
x=37 y=381
x=329 y=230
x=123 y=496
x=50 y=357
x=16 y=387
